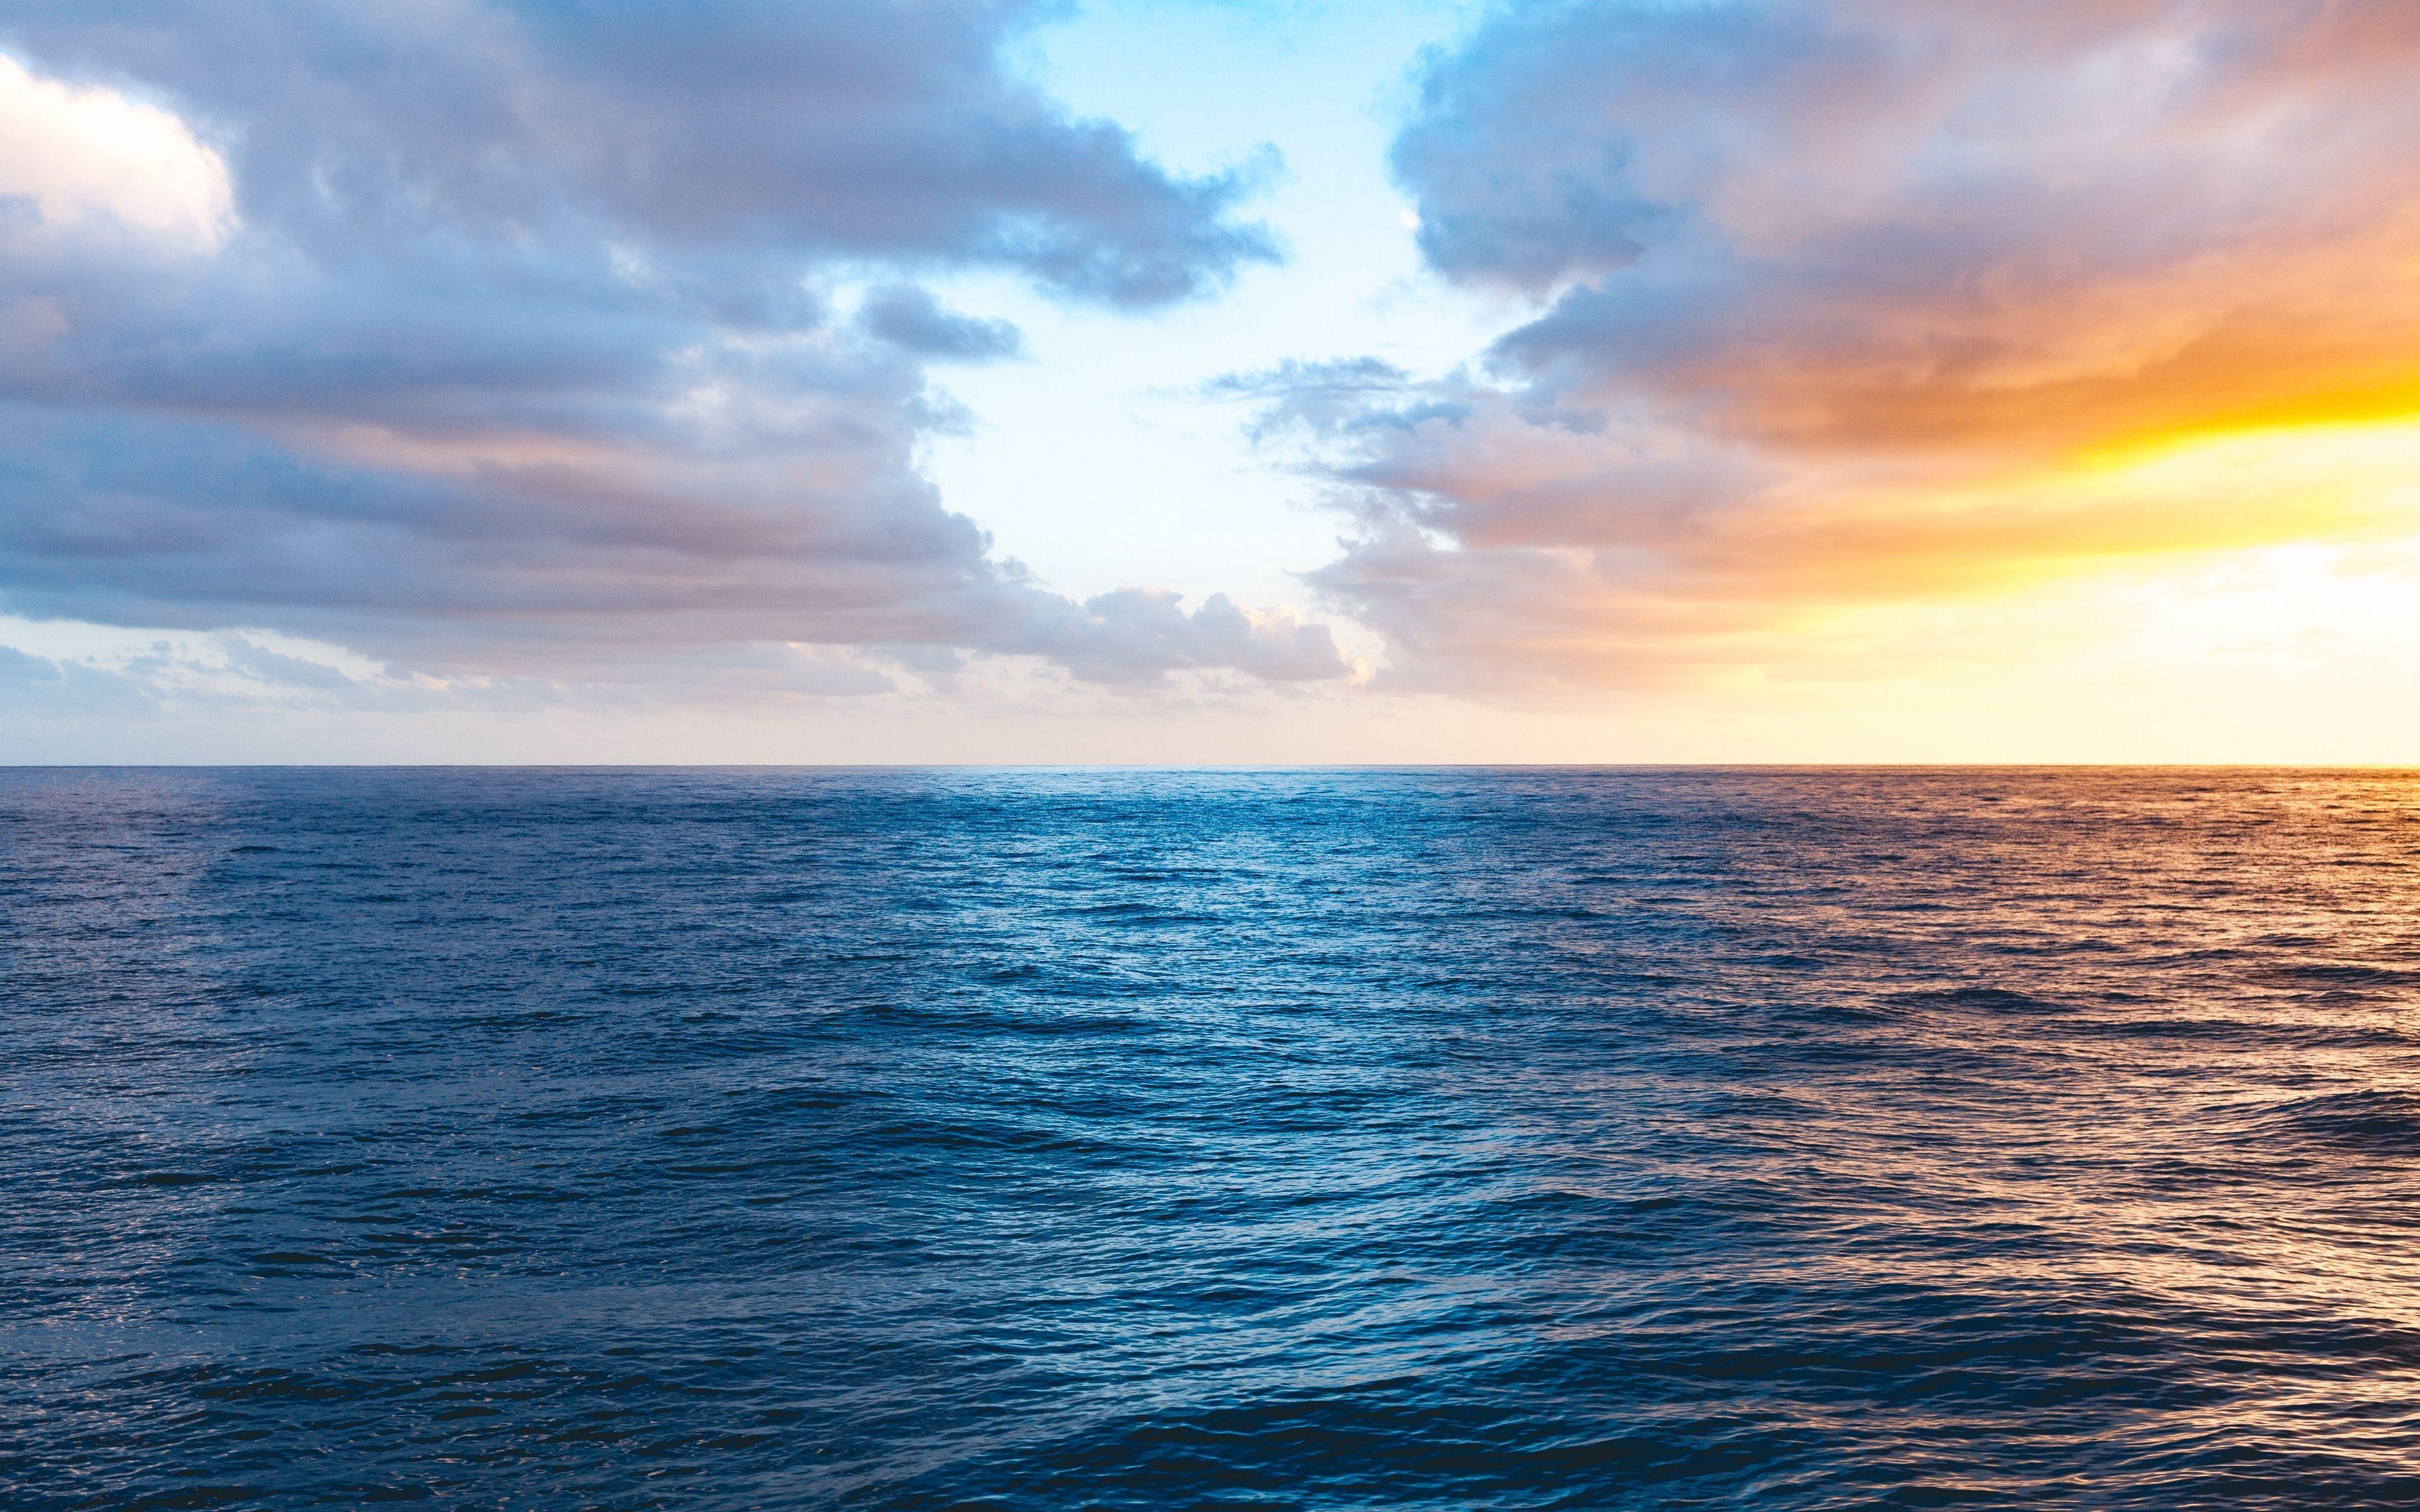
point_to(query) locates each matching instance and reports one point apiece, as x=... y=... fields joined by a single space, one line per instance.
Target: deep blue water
x=535 y=1140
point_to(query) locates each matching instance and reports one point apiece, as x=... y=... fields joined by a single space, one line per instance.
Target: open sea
x=533 y=1140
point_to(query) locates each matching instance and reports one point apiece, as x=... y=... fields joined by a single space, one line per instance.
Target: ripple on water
x=1306 y=1139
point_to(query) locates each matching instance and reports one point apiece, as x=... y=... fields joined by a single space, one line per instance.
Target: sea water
x=1323 y=1139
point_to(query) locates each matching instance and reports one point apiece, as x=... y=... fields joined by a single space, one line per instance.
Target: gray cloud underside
x=559 y=569
x=519 y=357
x=883 y=129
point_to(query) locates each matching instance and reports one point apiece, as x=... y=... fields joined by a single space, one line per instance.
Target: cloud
x=21 y=667
x=1137 y=635
x=884 y=129
x=1871 y=302
x=511 y=349
x=562 y=563
x=1878 y=223
x=74 y=154
x=910 y=318
x=269 y=665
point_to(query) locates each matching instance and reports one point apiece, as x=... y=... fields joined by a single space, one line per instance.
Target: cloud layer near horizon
x=512 y=339
x=506 y=341
x=1840 y=303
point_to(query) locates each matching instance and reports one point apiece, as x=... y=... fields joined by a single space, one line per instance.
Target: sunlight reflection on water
x=906 y=1139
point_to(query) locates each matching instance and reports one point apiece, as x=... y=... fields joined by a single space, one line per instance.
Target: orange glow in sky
x=1754 y=381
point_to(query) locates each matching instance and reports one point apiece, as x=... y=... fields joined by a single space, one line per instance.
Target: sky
x=1201 y=380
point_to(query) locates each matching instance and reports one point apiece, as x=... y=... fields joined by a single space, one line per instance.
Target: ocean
x=551 y=1139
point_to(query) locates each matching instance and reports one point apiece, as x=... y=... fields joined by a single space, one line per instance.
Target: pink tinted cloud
x=1822 y=285
x=520 y=355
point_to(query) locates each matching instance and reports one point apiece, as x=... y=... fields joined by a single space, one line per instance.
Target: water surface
x=537 y=1140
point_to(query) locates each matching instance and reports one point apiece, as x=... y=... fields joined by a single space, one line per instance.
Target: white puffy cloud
x=74 y=154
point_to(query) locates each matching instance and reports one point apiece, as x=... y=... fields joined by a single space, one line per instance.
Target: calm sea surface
x=537 y=1140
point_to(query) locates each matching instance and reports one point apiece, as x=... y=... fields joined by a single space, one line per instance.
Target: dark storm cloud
x=516 y=354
